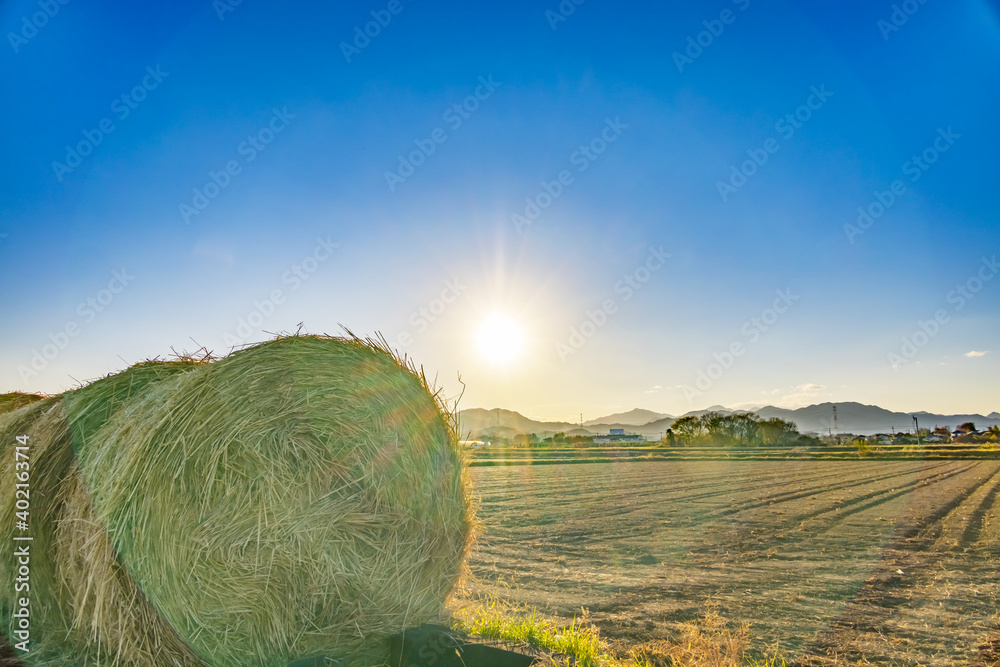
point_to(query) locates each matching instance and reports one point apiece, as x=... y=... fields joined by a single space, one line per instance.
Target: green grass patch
x=711 y=641
x=493 y=619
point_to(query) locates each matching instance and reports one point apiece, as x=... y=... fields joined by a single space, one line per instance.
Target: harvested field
x=892 y=562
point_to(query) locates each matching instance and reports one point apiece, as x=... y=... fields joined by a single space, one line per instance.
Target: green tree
x=688 y=429
x=739 y=429
x=777 y=432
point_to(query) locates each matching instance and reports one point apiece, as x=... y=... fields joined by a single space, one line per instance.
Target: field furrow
x=893 y=562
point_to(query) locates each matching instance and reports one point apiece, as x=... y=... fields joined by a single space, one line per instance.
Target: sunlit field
x=889 y=562
x=413 y=334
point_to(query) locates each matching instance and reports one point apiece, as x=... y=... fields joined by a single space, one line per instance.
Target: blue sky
x=645 y=281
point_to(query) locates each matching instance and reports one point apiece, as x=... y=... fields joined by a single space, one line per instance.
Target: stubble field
x=889 y=562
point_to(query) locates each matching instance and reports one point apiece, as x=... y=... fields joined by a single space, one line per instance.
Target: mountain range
x=636 y=417
x=851 y=418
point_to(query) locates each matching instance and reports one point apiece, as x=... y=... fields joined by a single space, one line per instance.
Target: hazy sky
x=660 y=200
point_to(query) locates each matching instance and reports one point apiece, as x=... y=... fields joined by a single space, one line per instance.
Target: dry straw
x=85 y=608
x=304 y=497
x=14 y=400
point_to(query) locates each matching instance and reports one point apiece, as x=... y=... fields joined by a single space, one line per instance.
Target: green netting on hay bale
x=300 y=498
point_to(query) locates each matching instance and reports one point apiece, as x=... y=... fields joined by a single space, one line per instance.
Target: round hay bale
x=50 y=452
x=14 y=400
x=73 y=621
x=305 y=497
x=90 y=407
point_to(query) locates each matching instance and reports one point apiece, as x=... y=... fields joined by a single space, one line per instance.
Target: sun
x=500 y=340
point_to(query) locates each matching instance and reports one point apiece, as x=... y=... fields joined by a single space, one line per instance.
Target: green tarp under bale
x=304 y=497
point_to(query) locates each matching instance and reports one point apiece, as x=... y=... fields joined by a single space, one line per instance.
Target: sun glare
x=500 y=340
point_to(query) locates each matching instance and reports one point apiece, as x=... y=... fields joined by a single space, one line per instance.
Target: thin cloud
x=975 y=353
x=800 y=395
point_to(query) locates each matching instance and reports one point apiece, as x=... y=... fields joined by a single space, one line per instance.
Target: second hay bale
x=85 y=607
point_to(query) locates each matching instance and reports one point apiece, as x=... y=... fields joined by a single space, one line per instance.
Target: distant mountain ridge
x=851 y=418
x=636 y=417
x=867 y=419
x=479 y=421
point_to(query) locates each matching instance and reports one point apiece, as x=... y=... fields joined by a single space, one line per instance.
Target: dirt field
x=887 y=561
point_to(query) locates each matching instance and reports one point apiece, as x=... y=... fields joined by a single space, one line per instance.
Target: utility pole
x=916 y=427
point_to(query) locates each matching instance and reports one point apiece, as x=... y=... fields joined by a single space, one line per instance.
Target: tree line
x=737 y=429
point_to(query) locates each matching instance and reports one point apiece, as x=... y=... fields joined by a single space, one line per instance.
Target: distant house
x=619 y=435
